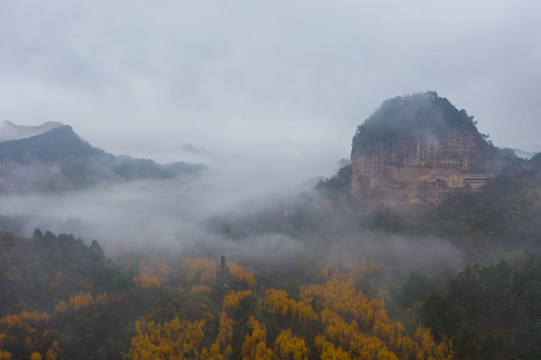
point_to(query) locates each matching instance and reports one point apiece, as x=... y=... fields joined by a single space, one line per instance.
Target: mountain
x=58 y=160
x=11 y=131
x=524 y=154
x=192 y=150
x=49 y=147
x=419 y=149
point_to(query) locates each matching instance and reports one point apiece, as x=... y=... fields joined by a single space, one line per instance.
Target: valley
x=425 y=246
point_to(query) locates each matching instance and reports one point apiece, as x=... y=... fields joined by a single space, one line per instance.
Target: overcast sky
x=139 y=77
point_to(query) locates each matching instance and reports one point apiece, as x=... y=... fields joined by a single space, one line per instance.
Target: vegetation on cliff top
x=507 y=209
x=409 y=116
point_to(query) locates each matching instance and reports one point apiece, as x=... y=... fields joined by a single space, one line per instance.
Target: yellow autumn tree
x=151 y=274
x=288 y=346
x=52 y=353
x=199 y=270
x=277 y=301
x=255 y=346
x=328 y=351
x=280 y=303
x=241 y=275
x=200 y=291
x=327 y=272
x=174 y=340
x=61 y=307
x=28 y=332
x=4 y=354
x=221 y=349
x=81 y=301
x=232 y=300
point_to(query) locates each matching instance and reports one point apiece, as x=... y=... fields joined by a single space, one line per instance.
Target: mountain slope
x=11 y=131
x=59 y=160
x=47 y=148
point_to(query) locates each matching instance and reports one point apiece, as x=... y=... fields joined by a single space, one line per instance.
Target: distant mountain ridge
x=191 y=149
x=58 y=160
x=524 y=154
x=11 y=131
x=48 y=147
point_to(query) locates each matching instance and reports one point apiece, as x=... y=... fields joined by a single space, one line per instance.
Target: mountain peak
x=419 y=149
x=58 y=143
x=11 y=131
x=58 y=160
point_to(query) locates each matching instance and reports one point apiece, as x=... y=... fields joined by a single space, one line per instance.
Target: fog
x=176 y=216
x=260 y=209
x=156 y=211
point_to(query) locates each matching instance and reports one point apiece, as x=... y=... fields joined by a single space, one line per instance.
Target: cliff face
x=419 y=150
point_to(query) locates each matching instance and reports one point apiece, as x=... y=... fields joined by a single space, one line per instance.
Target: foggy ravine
x=172 y=215
x=156 y=211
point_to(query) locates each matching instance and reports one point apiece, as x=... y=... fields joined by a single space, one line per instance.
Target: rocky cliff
x=418 y=150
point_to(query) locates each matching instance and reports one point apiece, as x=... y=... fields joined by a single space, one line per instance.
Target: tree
x=37 y=234
x=96 y=251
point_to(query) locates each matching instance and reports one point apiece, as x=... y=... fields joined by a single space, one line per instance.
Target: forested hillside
x=58 y=160
x=64 y=299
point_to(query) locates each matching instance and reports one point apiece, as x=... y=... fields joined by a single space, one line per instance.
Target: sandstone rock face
x=419 y=150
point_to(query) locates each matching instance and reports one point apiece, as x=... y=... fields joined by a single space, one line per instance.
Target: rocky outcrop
x=418 y=150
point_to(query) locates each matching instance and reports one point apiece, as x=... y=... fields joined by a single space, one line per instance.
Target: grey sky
x=140 y=77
